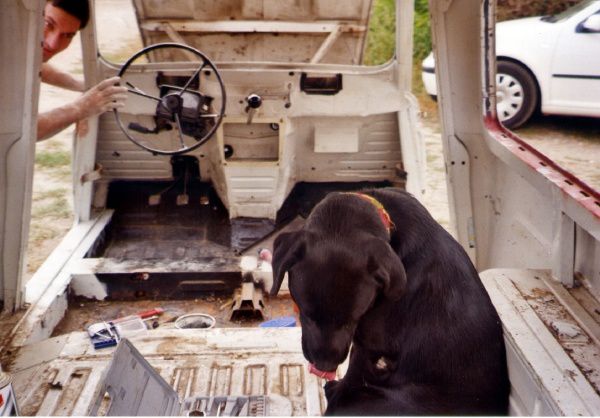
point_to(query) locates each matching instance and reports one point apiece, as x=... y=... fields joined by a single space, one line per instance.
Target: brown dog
x=425 y=336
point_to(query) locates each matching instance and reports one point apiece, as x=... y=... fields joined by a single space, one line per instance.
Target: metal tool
x=106 y=333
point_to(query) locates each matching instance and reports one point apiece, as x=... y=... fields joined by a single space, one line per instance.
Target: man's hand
x=104 y=96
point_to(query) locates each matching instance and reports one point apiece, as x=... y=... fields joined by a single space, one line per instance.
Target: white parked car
x=546 y=62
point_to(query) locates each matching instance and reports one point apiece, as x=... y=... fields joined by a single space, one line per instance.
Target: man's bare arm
x=103 y=97
x=55 y=120
x=54 y=76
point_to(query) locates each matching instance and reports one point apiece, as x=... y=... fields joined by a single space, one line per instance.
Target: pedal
x=182 y=199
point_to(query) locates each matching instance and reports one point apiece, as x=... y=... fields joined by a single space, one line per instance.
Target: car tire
x=517 y=94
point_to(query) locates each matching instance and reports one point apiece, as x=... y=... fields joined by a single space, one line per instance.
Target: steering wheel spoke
x=184 y=89
x=134 y=90
x=181 y=105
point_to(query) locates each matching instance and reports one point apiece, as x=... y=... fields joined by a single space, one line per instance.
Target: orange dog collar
x=383 y=214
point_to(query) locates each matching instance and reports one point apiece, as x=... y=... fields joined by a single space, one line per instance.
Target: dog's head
x=334 y=284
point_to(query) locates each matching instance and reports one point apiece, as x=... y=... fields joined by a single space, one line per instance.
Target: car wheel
x=516 y=92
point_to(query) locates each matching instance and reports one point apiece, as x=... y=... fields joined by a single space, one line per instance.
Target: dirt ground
x=573 y=142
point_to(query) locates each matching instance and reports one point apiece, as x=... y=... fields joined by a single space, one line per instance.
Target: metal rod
x=135 y=90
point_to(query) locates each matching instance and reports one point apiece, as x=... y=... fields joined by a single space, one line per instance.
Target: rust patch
x=541 y=294
x=30 y=407
x=571 y=374
x=71 y=392
x=84 y=312
x=7 y=323
x=581 y=348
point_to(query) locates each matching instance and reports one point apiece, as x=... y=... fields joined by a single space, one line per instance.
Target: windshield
x=569 y=12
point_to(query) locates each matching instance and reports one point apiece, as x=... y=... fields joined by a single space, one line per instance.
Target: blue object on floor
x=103 y=344
x=284 y=321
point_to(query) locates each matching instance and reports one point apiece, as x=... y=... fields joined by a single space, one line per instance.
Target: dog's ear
x=288 y=249
x=386 y=268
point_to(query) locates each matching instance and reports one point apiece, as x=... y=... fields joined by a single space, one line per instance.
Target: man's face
x=59 y=29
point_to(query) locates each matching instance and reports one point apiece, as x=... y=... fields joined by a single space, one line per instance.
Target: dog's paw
x=336 y=395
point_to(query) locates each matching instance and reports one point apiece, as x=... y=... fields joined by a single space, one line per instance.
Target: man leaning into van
x=62 y=20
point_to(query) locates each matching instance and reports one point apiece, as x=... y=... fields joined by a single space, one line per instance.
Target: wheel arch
x=538 y=89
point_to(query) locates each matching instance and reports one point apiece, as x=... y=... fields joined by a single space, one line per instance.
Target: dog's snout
x=326 y=366
x=327 y=359
x=326 y=350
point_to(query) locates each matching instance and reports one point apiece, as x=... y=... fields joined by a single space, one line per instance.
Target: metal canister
x=8 y=401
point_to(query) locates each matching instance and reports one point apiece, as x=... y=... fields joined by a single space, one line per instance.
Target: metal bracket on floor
x=248 y=302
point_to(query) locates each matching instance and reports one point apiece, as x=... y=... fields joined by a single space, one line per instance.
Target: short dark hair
x=78 y=8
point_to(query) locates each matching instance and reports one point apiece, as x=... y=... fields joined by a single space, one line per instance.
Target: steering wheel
x=184 y=117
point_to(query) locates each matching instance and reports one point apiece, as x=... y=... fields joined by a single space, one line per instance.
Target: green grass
x=381 y=45
x=422 y=31
x=56 y=208
x=381 y=36
x=52 y=159
x=39 y=232
x=50 y=194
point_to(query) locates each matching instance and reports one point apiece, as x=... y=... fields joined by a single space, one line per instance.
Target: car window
x=569 y=12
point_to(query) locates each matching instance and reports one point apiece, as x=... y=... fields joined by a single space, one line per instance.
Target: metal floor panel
x=167 y=230
x=552 y=349
x=61 y=376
